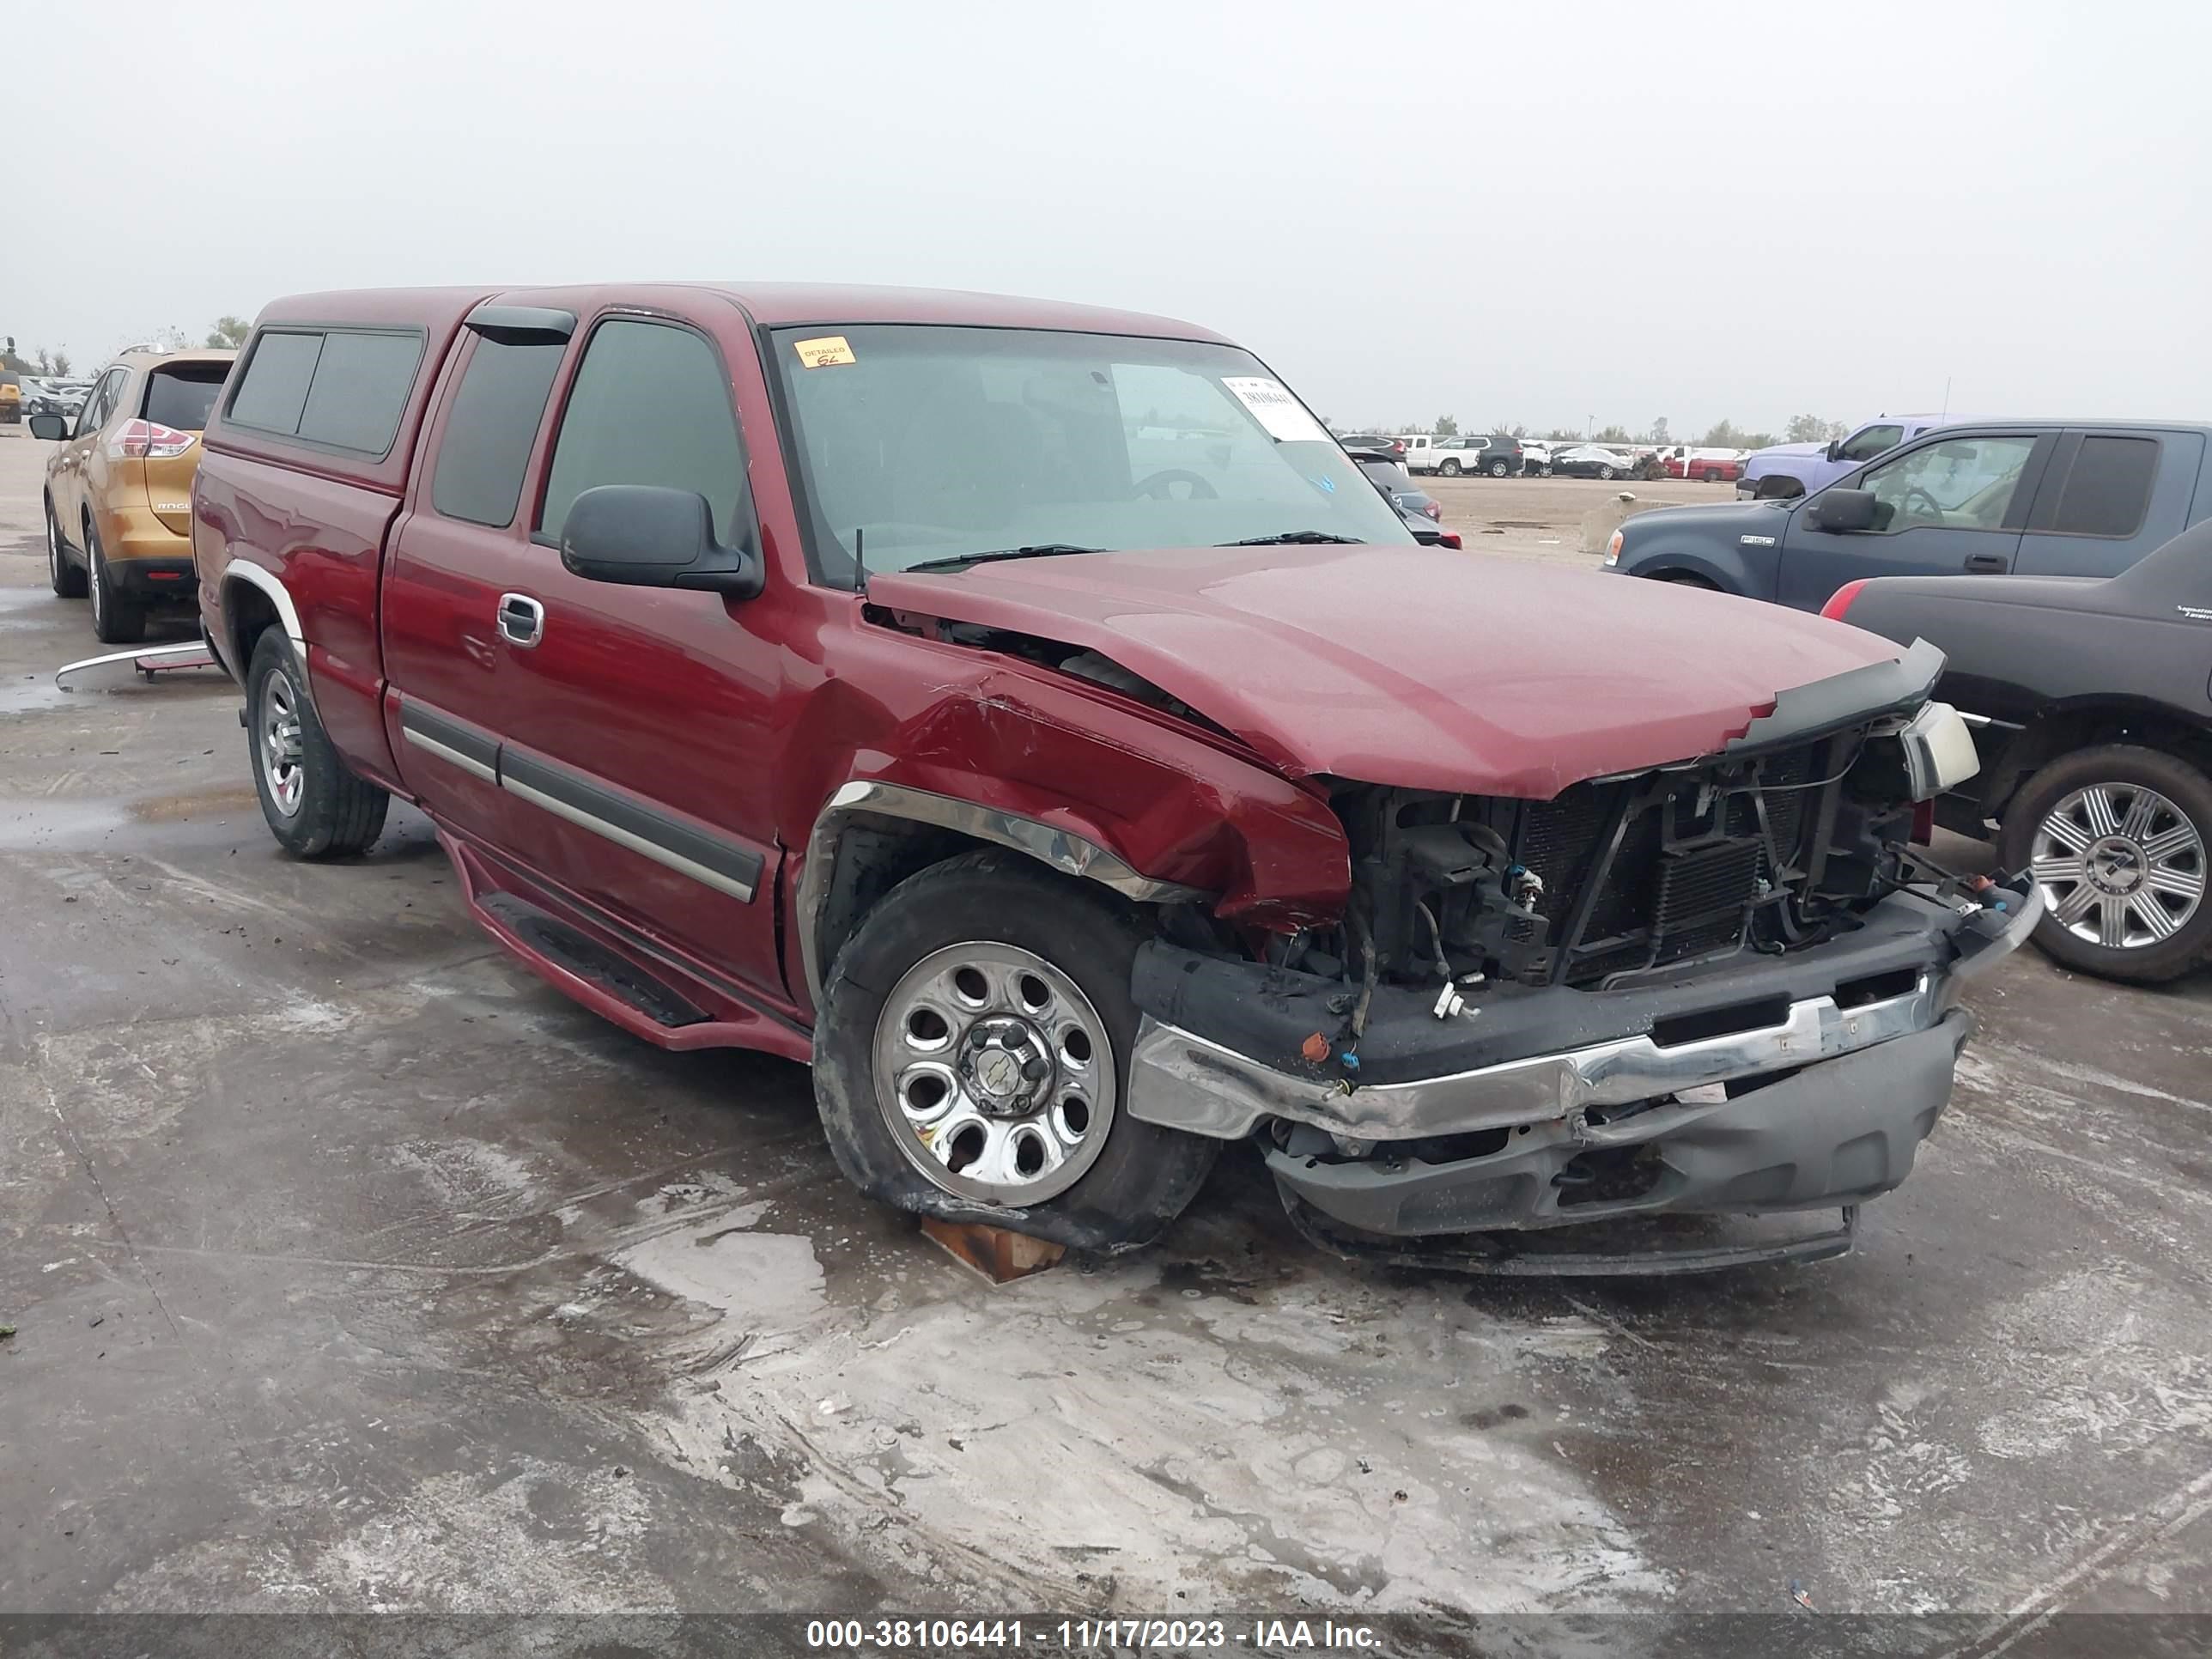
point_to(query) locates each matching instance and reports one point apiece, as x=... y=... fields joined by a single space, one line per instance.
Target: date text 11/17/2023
x=1076 y=1635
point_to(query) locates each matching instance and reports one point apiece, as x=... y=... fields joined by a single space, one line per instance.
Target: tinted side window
x=360 y=390
x=182 y=395
x=489 y=433
x=273 y=389
x=650 y=406
x=2108 y=490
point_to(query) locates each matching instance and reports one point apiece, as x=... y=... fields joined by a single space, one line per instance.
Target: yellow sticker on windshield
x=822 y=353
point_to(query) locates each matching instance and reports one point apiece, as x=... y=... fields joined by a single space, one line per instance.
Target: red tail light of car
x=1840 y=600
x=1435 y=510
x=139 y=441
x=1451 y=538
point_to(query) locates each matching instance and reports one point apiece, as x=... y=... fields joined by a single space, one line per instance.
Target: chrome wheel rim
x=276 y=743
x=96 y=574
x=994 y=1073
x=2119 y=866
x=53 y=547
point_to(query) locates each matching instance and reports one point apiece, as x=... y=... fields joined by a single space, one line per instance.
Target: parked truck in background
x=1786 y=471
x=2040 y=498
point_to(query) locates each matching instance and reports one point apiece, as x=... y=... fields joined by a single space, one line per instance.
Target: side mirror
x=648 y=536
x=51 y=427
x=1841 y=510
x=1834 y=452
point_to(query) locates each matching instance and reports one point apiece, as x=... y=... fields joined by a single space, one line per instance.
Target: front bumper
x=1835 y=1062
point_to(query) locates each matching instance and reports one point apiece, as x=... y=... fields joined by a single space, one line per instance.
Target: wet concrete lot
x=353 y=1268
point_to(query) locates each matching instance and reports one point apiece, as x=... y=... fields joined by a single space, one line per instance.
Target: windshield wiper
x=1293 y=537
x=1036 y=550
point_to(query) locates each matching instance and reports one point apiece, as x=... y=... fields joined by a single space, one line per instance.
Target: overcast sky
x=1508 y=212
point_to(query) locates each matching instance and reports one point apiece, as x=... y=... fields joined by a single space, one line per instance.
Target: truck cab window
x=1961 y=484
x=2108 y=489
x=1865 y=446
x=650 y=406
x=494 y=421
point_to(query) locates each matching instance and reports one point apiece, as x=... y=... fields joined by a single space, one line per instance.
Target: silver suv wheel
x=2120 y=864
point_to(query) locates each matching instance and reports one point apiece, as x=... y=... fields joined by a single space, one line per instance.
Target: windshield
x=931 y=443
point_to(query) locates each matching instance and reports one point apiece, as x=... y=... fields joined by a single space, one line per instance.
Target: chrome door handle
x=521 y=620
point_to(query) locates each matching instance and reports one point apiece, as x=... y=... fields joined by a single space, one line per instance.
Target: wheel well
x=2061 y=731
x=875 y=852
x=247 y=611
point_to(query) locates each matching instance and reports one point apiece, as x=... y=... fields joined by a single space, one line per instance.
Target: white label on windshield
x=1274 y=407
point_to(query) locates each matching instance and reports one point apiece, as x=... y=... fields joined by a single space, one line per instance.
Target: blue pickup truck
x=2051 y=498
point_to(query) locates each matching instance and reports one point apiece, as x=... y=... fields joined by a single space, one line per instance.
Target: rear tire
x=1499 y=469
x=66 y=577
x=2140 y=882
x=314 y=806
x=1449 y=469
x=1605 y=474
x=115 y=620
x=902 y=1052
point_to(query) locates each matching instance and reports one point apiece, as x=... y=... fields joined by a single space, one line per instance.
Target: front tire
x=1605 y=473
x=115 y=620
x=2117 y=837
x=971 y=1060
x=314 y=806
x=67 y=578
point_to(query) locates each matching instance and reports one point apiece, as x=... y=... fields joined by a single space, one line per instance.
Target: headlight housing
x=1612 y=548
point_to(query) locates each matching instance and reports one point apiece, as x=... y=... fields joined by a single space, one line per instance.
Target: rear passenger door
x=1945 y=507
x=464 y=541
x=70 y=485
x=2108 y=498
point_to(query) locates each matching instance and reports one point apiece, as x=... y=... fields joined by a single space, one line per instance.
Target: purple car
x=1786 y=471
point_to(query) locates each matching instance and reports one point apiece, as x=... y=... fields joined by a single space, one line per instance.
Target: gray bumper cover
x=1829 y=1135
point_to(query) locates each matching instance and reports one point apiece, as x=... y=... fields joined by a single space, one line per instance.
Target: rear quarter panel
x=322 y=538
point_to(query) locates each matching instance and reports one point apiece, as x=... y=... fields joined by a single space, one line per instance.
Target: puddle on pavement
x=32 y=691
x=51 y=825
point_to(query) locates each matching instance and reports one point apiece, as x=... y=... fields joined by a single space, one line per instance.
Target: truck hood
x=1788 y=449
x=1722 y=519
x=1418 y=667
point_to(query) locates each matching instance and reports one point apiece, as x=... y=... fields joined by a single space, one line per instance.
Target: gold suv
x=120 y=490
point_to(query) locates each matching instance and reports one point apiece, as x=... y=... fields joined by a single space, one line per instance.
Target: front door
x=1952 y=505
x=635 y=724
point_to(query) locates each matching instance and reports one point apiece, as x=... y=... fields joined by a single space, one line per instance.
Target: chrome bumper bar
x=1184 y=1081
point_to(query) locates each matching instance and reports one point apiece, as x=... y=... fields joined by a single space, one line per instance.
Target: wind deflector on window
x=521 y=325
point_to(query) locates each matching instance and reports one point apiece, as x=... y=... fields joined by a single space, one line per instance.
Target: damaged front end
x=1723 y=987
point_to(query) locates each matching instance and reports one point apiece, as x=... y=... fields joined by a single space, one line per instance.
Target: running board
x=572 y=953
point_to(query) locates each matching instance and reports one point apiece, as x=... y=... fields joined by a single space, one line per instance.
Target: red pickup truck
x=1028 y=715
